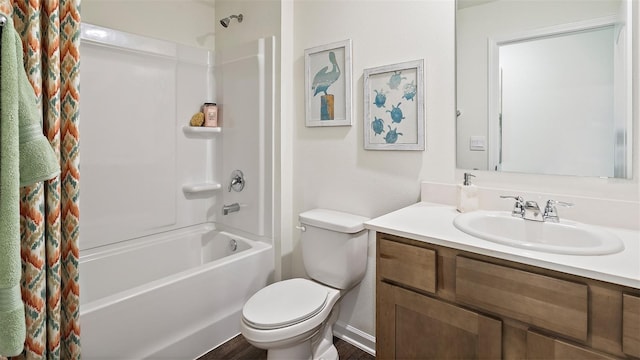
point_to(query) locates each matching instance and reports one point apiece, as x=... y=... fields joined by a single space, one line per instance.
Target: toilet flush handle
x=301 y=228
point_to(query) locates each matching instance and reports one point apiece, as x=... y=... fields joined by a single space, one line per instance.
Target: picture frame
x=328 y=84
x=394 y=107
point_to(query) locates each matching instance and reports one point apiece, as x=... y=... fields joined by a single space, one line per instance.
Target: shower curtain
x=49 y=219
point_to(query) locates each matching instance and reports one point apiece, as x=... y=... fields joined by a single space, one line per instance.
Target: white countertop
x=433 y=223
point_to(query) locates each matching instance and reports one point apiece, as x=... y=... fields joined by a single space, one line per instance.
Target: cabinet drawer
x=553 y=304
x=544 y=347
x=406 y=264
x=631 y=325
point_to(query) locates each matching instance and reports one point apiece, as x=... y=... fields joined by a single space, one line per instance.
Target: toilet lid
x=285 y=303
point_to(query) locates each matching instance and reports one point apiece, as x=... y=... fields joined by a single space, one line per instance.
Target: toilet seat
x=285 y=303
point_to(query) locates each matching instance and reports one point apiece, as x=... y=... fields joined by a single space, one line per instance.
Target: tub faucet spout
x=226 y=209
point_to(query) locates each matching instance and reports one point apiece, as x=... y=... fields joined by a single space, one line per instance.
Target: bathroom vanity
x=443 y=294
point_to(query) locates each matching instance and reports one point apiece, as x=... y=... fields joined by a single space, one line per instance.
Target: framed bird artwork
x=328 y=84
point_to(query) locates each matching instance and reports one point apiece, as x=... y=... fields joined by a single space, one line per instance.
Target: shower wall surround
x=137 y=93
x=153 y=190
x=140 y=166
x=244 y=83
x=188 y=22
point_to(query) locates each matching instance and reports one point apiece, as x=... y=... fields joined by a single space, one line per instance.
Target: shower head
x=226 y=21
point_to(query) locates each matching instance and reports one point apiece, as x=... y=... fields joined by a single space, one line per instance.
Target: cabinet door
x=545 y=348
x=631 y=325
x=415 y=326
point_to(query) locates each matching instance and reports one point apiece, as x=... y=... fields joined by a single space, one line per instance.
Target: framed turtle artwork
x=394 y=107
x=328 y=84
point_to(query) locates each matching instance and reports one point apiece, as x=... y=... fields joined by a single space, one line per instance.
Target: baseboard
x=355 y=337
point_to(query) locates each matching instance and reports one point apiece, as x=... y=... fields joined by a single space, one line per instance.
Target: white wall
x=331 y=169
x=188 y=22
x=261 y=19
x=542 y=102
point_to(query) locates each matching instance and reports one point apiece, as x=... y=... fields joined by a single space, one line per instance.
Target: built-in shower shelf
x=200 y=188
x=201 y=131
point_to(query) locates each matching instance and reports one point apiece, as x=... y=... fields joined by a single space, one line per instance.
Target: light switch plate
x=477 y=143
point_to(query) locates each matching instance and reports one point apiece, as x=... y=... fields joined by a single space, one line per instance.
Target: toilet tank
x=334 y=247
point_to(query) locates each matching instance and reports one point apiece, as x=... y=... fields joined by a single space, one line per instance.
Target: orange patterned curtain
x=50 y=32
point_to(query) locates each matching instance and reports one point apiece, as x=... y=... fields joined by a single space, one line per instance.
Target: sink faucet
x=226 y=209
x=530 y=210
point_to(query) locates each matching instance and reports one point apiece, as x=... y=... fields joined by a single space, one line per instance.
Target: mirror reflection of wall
x=551 y=87
x=544 y=87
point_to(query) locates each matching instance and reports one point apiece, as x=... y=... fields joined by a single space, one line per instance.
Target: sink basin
x=565 y=237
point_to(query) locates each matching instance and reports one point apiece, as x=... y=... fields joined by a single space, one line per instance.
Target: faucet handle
x=550 y=212
x=561 y=203
x=518 y=207
x=518 y=199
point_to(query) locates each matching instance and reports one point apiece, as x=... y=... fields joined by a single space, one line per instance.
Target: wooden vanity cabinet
x=435 y=302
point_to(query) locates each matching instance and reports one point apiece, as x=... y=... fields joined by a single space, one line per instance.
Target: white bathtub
x=175 y=295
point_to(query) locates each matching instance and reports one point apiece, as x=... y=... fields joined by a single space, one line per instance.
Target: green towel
x=12 y=323
x=25 y=157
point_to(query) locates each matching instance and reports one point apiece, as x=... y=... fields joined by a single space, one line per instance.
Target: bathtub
x=176 y=295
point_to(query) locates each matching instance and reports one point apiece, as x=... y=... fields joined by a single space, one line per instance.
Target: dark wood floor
x=239 y=349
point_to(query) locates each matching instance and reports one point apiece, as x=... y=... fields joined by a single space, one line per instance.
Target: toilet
x=293 y=319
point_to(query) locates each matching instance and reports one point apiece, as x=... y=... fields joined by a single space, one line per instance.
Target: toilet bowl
x=288 y=313
x=293 y=319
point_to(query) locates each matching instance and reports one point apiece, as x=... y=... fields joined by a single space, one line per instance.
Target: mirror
x=544 y=87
